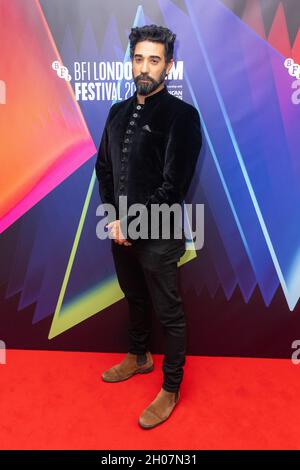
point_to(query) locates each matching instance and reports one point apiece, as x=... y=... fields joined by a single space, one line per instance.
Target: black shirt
x=157 y=164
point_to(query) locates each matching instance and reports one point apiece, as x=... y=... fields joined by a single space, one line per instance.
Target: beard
x=144 y=88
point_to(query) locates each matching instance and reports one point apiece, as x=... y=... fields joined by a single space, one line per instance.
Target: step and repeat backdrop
x=63 y=63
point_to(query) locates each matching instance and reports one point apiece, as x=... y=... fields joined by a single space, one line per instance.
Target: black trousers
x=148 y=275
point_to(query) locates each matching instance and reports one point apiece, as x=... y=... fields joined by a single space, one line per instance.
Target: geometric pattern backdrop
x=248 y=172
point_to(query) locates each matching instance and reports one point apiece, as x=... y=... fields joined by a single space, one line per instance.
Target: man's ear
x=170 y=65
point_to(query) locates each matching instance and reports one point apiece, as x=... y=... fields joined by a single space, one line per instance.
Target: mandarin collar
x=152 y=98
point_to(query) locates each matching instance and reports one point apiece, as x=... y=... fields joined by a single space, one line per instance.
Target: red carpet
x=56 y=400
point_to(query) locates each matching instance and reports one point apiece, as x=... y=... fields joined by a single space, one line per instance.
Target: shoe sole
x=139 y=371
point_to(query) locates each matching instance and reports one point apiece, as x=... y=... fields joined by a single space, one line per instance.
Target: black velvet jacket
x=161 y=158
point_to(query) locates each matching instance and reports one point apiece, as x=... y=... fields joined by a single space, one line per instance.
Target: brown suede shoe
x=159 y=410
x=129 y=366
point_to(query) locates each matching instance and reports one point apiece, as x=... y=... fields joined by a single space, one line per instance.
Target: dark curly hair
x=153 y=33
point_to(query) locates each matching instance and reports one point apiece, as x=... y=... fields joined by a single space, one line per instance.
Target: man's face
x=149 y=64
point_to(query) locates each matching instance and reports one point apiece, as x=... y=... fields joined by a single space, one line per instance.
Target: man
x=148 y=152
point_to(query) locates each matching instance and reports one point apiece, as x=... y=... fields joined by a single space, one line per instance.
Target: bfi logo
x=294 y=71
x=293 y=68
x=2 y=352
x=2 y=92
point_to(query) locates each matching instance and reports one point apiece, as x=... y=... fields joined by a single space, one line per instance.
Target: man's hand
x=116 y=233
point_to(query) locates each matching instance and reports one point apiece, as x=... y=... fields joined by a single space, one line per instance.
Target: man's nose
x=145 y=67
